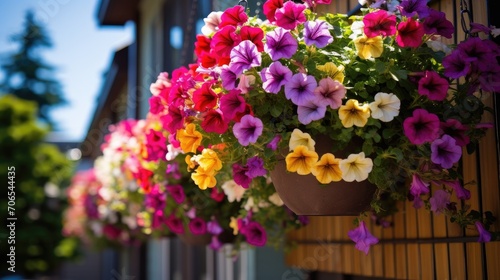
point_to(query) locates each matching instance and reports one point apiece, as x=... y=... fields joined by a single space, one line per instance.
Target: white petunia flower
x=385 y=107
x=299 y=138
x=357 y=29
x=356 y=167
x=212 y=22
x=276 y=199
x=233 y=191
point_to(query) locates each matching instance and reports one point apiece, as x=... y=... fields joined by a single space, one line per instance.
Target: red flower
x=204 y=98
x=248 y=111
x=410 y=33
x=217 y=195
x=379 y=23
x=213 y=121
x=207 y=60
x=270 y=8
x=254 y=34
x=174 y=120
x=224 y=41
x=202 y=44
x=233 y=16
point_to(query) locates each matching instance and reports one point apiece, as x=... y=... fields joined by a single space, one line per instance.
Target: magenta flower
x=275 y=76
x=215 y=244
x=280 y=44
x=240 y=175
x=233 y=16
x=255 y=167
x=244 y=56
x=460 y=191
x=331 y=92
x=228 y=78
x=410 y=8
x=456 y=64
x=484 y=235
x=445 y=151
x=174 y=120
x=478 y=52
x=156 y=105
x=312 y=109
x=214 y=121
x=213 y=227
x=158 y=219
x=254 y=34
x=156 y=145
x=177 y=193
x=439 y=201
x=290 y=15
x=457 y=130
x=410 y=33
x=317 y=33
x=422 y=127
x=231 y=104
x=198 y=226
x=417 y=188
x=270 y=8
x=273 y=145
x=300 y=88
x=174 y=224
x=248 y=130
x=362 y=237
x=437 y=24
x=433 y=86
x=379 y=23
x=155 y=199
x=255 y=234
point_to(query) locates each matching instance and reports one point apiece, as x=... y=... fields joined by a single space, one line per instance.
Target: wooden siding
x=421 y=245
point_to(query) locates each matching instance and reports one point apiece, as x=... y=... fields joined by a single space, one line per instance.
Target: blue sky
x=81 y=52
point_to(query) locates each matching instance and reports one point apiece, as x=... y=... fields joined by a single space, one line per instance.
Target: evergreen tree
x=27 y=76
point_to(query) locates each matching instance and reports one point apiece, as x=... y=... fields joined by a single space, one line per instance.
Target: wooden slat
x=413 y=262
x=389 y=253
x=377 y=252
x=347 y=250
x=400 y=249
x=440 y=249
x=426 y=250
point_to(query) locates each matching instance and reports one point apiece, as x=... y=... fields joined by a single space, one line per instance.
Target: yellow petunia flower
x=369 y=47
x=234 y=225
x=204 y=179
x=301 y=138
x=327 y=169
x=209 y=160
x=334 y=72
x=301 y=160
x=190 y=138
x=190 y=163
x=356 y=167
x=353 y=114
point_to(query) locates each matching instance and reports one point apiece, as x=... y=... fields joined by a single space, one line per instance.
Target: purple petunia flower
x=363 y=238
x=290 y=15
x=417 y=188
x=240 y=175
x=275 y=76
x=437 y=24
x=214 y=228
x=198 y=226
x=300 y=88
x=155 y=199
x=273 y=145
x=317 y=33
x=228 y=78
x=455 y=129
x=445 y=151
x=439 y=201
x=248 y=130
x=409 y=8
x=255 y=167
x=280 y=44
x=215 y=244
x=311 y=110
x=490 y=78
x=484 y=235
x=478 y=52
x=244 y=56
x=456 y=64
x=460 y=191
x=433 y=86
x=422 y=127
x=255 y=234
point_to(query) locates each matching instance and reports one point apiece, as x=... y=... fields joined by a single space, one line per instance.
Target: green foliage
x=40 y=246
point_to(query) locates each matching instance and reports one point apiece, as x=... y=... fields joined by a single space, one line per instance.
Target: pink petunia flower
x=433 y=86
x=410 y=33
x=233 y=17
x=422 y=127
x=379 y=23
x=290 y=15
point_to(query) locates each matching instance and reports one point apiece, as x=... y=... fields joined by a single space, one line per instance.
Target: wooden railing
x=421 y=245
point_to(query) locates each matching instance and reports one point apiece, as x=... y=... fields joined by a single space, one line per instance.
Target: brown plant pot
x=196 y=239
x=304 y=195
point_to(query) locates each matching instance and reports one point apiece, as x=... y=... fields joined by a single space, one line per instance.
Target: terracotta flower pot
x=304 y=195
